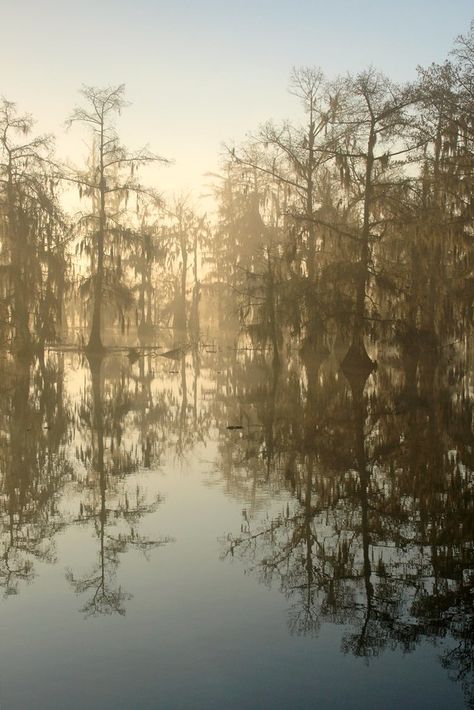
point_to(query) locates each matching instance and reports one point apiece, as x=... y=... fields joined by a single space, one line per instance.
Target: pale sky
x=203 y=72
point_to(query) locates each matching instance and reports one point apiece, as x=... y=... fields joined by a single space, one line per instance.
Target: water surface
x=225 y=531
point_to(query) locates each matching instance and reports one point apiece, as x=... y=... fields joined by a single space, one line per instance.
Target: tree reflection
x=58 y=450
x=33 y=465
x=114 y=510
x=370 y=524
x=375 y=531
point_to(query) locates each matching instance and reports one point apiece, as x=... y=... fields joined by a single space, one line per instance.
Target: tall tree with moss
x=108 y=181
x=32 y=241
x=372 y=138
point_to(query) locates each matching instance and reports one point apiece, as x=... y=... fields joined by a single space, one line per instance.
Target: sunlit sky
x=203 y=72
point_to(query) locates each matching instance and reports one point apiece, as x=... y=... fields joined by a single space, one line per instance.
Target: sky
x=202 y=73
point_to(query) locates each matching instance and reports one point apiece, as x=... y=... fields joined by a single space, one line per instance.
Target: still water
x=218 y=530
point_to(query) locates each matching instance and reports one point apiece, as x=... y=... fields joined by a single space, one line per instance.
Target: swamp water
x=222 y=531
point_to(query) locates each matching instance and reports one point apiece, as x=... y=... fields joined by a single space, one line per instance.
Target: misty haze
x=236 y=356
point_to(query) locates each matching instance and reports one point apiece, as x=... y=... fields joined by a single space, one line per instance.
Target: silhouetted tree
x=108 y=181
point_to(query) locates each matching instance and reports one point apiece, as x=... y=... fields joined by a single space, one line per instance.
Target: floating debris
x=177 y=353
x=133 y=355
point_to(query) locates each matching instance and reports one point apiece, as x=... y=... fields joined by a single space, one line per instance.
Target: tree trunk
x=95 y=339
x=357 y=356
x=22 y=338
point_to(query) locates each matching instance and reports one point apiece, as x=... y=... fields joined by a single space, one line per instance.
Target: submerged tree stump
x=357 y=364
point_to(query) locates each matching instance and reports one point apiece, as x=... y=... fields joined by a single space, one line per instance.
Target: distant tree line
x=355 y=222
